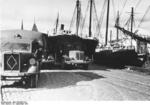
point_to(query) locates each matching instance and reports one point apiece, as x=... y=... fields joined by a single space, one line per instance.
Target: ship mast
x=90 y=18
x=132 y=20
x=117 y=23
x=78 y=16
x=107 y=23
x=57 y=23
x=22 y=25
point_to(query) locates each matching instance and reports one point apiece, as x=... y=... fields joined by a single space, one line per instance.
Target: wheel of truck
x=33 y=81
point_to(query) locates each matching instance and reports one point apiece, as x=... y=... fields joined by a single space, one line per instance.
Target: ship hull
x=61 y=45
x=120 y=58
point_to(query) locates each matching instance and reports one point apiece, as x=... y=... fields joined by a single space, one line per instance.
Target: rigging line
x=128 y=21
x=97 y=25
x=139 y=21
x=124 y=20
x=125 y=3
x=80 y=25
x=73 y=18
x=123 y=8
x=102 y=16
x=95 y=11
x=81 y=20
x=137 y=4
x=84 y=18
x=114 y=9
x=144 y=16
x=135 y=21
x=120 y=3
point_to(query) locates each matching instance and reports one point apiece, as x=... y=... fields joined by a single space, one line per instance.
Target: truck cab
x=76 y=59
x=21 y=53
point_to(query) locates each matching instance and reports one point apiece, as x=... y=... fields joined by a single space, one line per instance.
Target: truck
x=21 y=52
x=75 y=60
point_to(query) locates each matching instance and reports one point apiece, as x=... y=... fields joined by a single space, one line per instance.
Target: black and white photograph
x=74 y=50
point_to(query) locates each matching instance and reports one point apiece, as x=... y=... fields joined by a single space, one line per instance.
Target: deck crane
x=134 y=34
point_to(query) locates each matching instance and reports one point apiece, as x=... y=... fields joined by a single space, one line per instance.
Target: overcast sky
x=45 y=12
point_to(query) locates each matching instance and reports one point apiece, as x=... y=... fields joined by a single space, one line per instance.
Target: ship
x=60 y=43
x=116 y=55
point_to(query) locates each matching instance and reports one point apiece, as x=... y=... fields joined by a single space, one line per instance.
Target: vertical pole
x=132 y=20
x=118 y=19
x=78 y=16
x=90 y=20
x=57 y=22
x=22 y=25
x=107 y=23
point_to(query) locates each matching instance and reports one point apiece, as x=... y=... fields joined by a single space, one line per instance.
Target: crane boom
x=133 y=35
